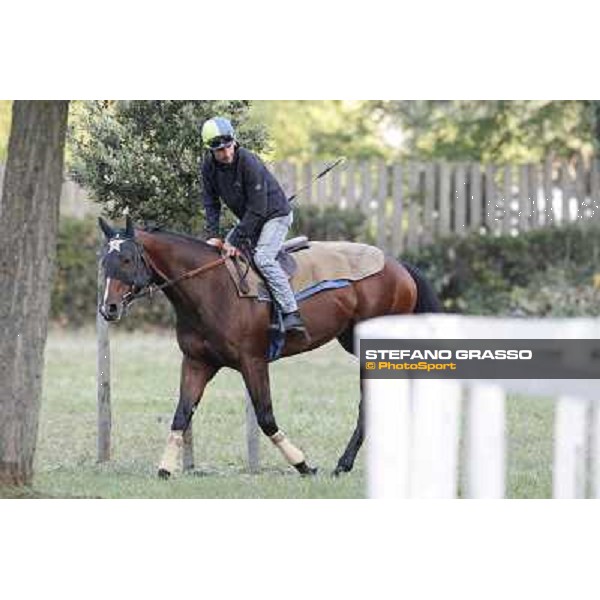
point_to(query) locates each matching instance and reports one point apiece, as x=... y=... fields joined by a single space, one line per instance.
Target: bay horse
x=216 y=328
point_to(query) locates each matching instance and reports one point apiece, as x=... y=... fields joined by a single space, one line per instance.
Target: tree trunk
x=29 y=208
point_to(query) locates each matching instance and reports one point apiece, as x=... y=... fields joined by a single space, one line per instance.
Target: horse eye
x=126 y=261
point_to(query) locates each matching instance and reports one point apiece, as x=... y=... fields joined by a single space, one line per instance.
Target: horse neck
x=173 y=256
x=198 y=298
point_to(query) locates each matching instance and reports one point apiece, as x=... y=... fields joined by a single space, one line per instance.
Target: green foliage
x=143 y=156
x=557 y=292
x=542 y=272
x=74 y=292
x=320 y=129
x=328 y=223
x=493 y=131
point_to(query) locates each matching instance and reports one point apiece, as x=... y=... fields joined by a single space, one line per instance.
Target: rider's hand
x=217 y=242
x=229 y=250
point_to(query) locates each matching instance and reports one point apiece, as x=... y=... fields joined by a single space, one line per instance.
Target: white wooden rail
x=414 y=426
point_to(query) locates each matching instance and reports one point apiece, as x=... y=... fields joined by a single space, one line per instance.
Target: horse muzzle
x=111 y=312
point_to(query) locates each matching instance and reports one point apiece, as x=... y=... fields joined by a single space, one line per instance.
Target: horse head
x=125 y=269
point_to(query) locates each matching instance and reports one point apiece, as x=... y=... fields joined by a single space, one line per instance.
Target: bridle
x=150 y=288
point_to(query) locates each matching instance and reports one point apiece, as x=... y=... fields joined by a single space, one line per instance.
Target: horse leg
x=194 y=377
x=346 y=461
x=256 y=377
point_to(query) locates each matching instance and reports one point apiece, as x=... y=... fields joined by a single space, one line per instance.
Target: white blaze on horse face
x=107 y=285
x=115 y=245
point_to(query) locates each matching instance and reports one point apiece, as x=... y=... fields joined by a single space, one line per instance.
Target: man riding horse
x=216 y=327
x=239 y=178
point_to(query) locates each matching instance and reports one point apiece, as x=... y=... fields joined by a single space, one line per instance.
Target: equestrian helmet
x=218 y=133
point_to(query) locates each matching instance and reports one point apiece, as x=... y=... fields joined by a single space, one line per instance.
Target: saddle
x=310 y=267
x=285 y=258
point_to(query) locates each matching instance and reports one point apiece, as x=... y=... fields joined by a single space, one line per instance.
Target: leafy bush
x=557 y=292
x=542 y=272
x=74 y=292
x=143 y=156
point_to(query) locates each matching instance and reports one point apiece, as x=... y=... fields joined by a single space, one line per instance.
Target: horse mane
x=179 y=236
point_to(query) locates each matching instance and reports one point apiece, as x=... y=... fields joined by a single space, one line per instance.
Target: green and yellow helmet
x=218 y=133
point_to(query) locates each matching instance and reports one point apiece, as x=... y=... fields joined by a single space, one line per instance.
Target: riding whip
x=324 y=172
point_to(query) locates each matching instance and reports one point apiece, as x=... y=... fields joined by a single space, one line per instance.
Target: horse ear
x=109 y=232
x=129 y=232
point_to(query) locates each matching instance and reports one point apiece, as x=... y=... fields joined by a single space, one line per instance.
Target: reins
x=152 y=288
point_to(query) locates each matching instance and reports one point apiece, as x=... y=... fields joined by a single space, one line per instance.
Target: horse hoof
x=305 y=470
x=310 y=472
x=340 y=470
x=164 y=474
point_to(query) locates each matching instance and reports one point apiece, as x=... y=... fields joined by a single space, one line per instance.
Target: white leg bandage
x=292 y=454
x=171 y=460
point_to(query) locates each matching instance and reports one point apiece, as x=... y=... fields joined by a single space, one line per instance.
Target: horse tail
x=427 y=300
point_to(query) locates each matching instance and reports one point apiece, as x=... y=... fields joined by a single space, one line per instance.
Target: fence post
x=524 y=211
x=595 y=449
x=350 y=194
x=565 y=184
x=444 y=200
x=389 y=410
x=476 y=216
x=568 y=478
x=397 y=233
x=414 y=207
x=336 y=188
x=485 y=446
x=252 y=436
x=549 y=217
x=580 y=188
x=490 y=198
x=533 y=184
x=429 y=204
x=103 y=378
x=435 y=438
x=595 y=187
x=507 y=191
x=382 y=237
x=306 y=175
x=460 y=207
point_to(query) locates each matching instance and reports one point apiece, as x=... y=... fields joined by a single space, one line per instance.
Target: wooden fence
x=409 y=204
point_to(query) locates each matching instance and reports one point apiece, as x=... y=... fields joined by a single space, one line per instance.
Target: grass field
x=315 y=399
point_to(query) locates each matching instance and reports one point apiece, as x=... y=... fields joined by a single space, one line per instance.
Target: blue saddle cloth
x=276 y=331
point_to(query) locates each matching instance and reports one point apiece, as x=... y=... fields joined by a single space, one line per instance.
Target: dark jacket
x=248 y=188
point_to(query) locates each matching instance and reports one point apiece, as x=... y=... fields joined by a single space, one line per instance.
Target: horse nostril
x=109 y=311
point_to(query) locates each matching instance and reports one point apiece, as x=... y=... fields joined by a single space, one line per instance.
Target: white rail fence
x=414 y=426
